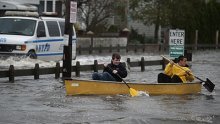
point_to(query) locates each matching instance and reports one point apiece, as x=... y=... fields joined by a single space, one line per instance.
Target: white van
x=37 y=37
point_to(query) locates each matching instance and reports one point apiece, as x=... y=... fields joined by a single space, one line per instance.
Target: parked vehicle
x=37 y=37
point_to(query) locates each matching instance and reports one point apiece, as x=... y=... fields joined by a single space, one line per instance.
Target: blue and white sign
x=176 y=42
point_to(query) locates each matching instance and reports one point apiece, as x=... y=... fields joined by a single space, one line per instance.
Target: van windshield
x=16 y=26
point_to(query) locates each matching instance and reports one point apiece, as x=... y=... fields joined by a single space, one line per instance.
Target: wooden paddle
x=132 y=91
x=208 y=84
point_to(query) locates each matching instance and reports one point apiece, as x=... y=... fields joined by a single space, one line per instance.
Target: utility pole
x=70 y=18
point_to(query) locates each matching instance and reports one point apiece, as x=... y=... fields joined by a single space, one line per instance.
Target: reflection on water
x=46 y=102
x=210 y=97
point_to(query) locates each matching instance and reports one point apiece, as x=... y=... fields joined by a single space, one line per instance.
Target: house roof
x=8 y=5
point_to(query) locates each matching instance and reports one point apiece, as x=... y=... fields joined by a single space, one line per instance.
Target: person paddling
x=114 y=71
x=174 y=74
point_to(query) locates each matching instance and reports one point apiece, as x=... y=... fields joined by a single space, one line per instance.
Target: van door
x=41 y=43
x=50 y=48
x=62 y=26
x=74 y=44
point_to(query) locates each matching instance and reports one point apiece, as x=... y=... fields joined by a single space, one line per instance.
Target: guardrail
x=11 y=73
x=140 y=48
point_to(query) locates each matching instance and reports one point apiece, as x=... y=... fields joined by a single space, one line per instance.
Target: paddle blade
x=133 y=92
x=209 y=85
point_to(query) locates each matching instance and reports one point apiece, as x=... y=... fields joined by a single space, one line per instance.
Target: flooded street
x=43 y=101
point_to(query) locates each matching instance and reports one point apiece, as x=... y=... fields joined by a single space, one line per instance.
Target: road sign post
x=70 y=18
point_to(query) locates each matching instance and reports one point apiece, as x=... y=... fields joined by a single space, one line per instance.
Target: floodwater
x=43 y=101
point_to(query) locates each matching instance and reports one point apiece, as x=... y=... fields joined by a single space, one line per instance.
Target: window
x=62 y=26
x=17 y=26
x=53 y=28
x=41 y=29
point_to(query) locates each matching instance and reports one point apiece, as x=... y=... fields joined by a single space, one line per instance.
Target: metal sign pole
x=67 y=57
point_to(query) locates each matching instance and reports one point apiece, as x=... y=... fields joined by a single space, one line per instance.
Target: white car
x=37 y=37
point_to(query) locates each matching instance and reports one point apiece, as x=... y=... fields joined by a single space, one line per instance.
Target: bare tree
x=95 y=13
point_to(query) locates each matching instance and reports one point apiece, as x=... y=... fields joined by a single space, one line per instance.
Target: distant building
x=25 y=2
x=30 y=5
x=58 y=6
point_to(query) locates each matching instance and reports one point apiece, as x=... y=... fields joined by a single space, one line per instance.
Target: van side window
x=62 y=26
x=53 y=28
x=74 y=31
x=41 y=29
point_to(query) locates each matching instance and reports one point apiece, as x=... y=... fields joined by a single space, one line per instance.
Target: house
x=24 y=5
x=58 y=6
x=32 y=5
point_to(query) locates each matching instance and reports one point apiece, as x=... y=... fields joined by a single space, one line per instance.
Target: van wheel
x=32 y=54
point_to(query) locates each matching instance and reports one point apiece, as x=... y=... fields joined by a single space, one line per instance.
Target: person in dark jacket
x=113 y=71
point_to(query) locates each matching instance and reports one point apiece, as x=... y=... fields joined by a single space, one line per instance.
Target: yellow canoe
x=94 y=87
